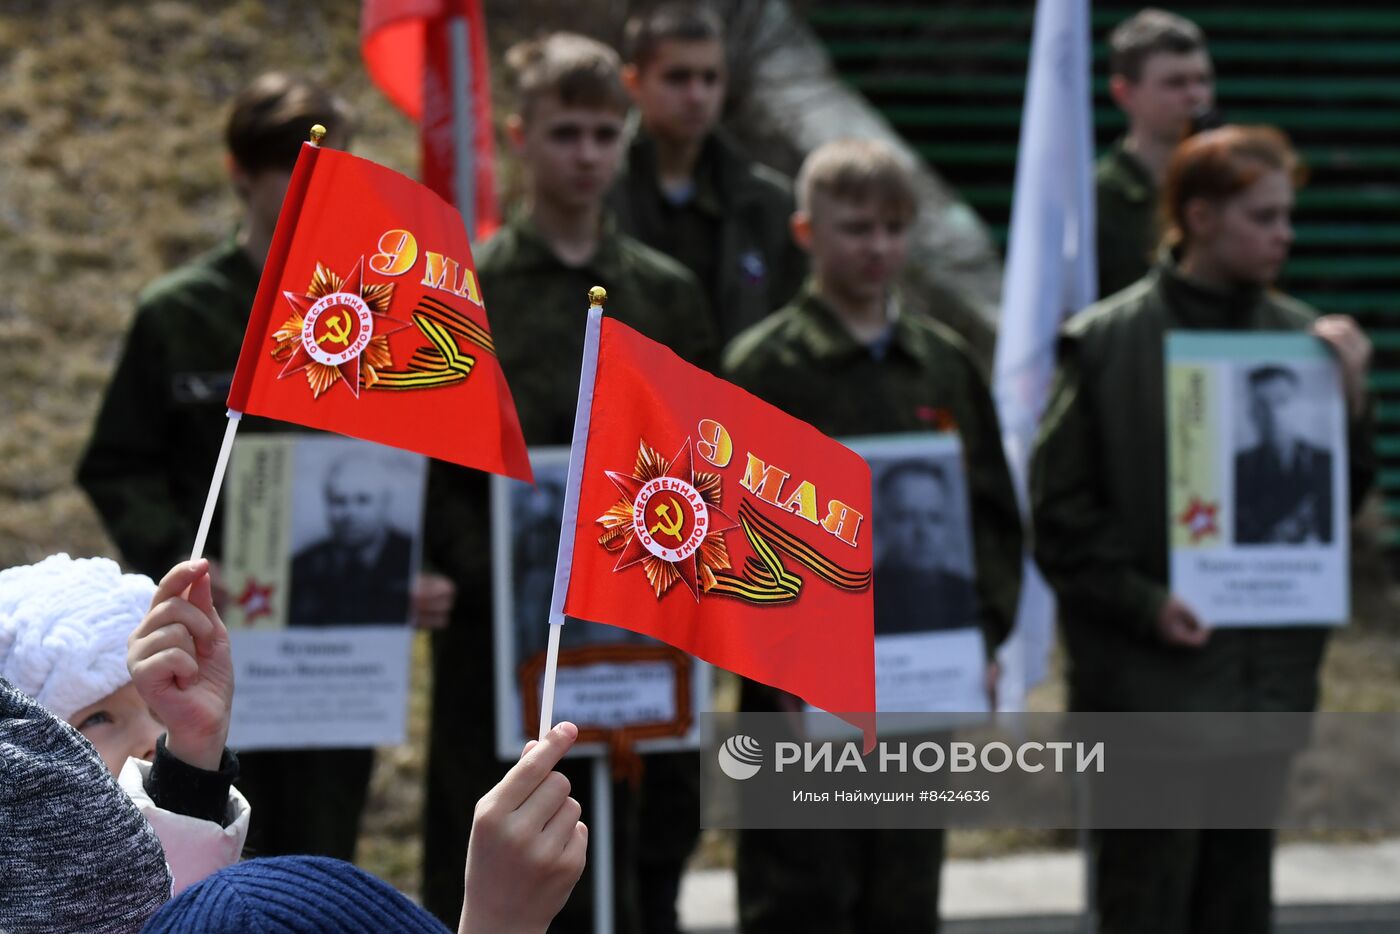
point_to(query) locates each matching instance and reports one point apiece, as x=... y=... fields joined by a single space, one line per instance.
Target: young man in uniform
x=1162 y=79
x=535 y=273
x=845 y=358
x=151 y=456
x=686 y=190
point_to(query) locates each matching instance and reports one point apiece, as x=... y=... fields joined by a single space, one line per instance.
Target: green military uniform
x=732 y=230
x=147 y=469
x=1127 y=224
x=922 y=378
x=537 y=306
x=1099 y=499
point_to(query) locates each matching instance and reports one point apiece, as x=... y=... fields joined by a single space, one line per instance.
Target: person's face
x=680 y=92
x=1171 y=89
x=357 y=505
x=857 y=247
x=1245 y=238
x=120 y=726
x=914 y=522
x=571 y=154
x=263 y=191
x=1270 y=408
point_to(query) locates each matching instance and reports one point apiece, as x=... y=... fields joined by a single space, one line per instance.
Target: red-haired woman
x=1099 y=500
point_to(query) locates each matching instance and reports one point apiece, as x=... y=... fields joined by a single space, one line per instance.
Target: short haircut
x=1265 y=374
x=1147 y=33
x=856 y=170
x=579 y=71
x=911 y=468
x=273 y=116
x=675 y=21
x=1218 y=164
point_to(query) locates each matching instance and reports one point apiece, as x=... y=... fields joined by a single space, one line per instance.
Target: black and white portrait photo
x=534 y=522
x=923 y=558
x=1283 y=466
x=357 y=509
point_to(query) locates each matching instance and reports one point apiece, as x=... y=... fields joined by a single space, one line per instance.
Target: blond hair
x=857 y=170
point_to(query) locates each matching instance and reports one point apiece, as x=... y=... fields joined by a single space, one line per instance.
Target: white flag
x=1050 y=273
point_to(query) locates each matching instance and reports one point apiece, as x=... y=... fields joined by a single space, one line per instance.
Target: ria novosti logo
x=740 y=757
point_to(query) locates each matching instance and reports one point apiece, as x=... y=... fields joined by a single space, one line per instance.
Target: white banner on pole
x=1050 y=273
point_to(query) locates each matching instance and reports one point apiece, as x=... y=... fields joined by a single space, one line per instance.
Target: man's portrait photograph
x=1283 y=467
x=923 y=553
x=356 y=512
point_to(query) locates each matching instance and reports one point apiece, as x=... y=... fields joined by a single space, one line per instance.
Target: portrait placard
x=322 y=538
x=930 y=656
x=1257 y=478
x=611 y=681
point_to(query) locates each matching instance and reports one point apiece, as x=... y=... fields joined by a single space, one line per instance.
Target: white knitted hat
x=63 y=629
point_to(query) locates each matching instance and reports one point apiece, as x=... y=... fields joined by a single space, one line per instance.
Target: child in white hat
x=144 y=672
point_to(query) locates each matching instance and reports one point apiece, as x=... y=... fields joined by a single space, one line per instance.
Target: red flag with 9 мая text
x=715 y=522
x=369 y=322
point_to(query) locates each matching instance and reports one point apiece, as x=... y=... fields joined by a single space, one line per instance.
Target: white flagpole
x=565 y=562
x=1050 y=274
x=463 y=122
x=600 y=841
x=201 y=537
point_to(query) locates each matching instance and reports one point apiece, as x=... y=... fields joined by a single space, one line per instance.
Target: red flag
x=714 y=521
x=368 y=321
x=430 y=59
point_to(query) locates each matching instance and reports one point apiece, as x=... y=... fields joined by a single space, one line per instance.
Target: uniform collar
x=828 y=339
x=529 y=251
x=1137 y=183
x=1197 y=305
x=713 y=176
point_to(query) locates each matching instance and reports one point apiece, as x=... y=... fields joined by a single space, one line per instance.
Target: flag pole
x=597 y=296
x=463 y=122
x=216 y=483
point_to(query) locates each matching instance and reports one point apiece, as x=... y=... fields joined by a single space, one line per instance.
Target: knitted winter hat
x=293 y=895
x=63 y=629
x=75 y=854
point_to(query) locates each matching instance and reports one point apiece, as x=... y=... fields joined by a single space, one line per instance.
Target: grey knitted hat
x=75 y=854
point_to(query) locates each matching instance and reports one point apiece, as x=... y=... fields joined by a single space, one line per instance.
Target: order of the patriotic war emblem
x=669 y=520
x=338 y=330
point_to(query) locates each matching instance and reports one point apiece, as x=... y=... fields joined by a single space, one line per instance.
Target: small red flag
x=702 y=516
x=430 y=59
x=369 y=322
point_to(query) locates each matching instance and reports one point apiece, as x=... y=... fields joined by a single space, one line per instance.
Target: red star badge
x=1199 y=518
x=255 y=601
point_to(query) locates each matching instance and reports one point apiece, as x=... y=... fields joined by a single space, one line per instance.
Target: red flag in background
x=715 y=522
x=368 y=321
x=429 y=57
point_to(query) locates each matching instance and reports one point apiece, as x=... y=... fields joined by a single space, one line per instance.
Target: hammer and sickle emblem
x=337 y=329
x=671 y=527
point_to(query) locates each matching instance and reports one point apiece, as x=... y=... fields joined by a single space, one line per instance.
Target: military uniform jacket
x=804 y=361
x=733 y=236
x=151 y=455
x=1099 y=501
x=1127 y=228
x=538 y=308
